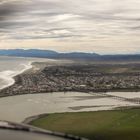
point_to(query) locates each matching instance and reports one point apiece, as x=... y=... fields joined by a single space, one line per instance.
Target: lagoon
x=18 y=108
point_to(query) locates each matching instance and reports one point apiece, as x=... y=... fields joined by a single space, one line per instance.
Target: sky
x=101 y=26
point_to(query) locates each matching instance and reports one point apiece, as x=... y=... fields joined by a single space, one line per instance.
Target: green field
x=103 y=125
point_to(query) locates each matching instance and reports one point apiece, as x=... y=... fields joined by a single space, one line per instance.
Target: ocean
x=12 y=66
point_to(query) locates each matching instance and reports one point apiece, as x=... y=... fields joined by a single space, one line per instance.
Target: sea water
x=10 y=67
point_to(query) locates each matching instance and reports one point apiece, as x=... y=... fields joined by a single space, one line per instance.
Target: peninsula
x=80 y=76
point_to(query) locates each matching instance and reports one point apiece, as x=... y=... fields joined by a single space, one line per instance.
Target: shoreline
x=27 y=67
x=41 y=76
x=29 y=120
x=11 y=78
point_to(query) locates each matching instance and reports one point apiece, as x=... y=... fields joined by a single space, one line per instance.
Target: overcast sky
x=102 y=26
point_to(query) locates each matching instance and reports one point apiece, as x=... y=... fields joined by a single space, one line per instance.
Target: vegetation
x=102 y=125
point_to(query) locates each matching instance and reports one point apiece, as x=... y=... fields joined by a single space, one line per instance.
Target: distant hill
x=125 y=57
x=27 y=53
x=71 y=55
x=45 y=53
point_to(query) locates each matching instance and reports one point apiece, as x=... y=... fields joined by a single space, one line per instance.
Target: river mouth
x=18 y=108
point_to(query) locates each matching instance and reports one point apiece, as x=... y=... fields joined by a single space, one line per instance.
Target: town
x=77 y=77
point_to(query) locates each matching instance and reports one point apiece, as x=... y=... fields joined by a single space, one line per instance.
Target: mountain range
x=45 y=53
x=72 y=55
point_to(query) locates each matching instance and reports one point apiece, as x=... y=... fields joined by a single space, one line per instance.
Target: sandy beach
x=31 y=65
x=8 y=76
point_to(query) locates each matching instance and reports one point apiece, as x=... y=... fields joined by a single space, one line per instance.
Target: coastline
x=11 y=78
x=57 y=76
x=30 y=119
x=33 y=67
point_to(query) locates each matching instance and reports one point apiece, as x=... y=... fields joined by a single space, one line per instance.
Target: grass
x=103 y=125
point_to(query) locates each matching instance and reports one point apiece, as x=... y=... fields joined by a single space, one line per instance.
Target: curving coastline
x=9 y=76
x=47 y=77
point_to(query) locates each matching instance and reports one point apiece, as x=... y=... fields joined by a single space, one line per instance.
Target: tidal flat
x=18 y=108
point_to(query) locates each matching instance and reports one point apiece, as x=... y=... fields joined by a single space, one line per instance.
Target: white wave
x=7 y=76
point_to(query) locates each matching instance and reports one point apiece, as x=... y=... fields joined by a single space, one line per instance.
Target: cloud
x=89 y=24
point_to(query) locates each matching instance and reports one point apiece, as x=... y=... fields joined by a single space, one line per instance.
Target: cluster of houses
x=56 y=79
